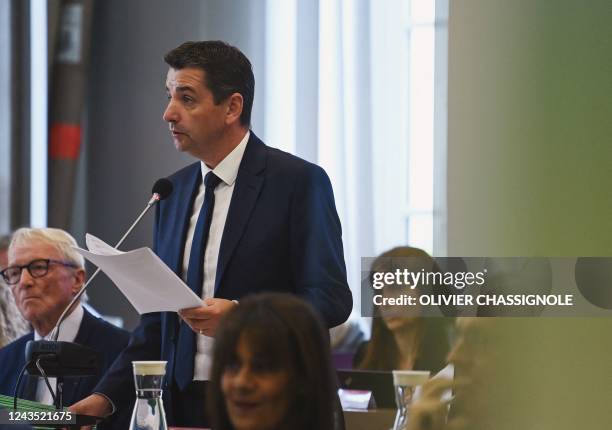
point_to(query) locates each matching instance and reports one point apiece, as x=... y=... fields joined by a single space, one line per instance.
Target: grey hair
x=56 y=237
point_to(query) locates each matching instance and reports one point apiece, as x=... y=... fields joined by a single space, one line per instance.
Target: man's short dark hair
x=227 y=69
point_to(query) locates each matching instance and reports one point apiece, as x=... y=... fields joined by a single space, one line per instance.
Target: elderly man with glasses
x=44 y=273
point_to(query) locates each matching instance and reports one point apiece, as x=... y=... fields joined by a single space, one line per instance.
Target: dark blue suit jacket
x=96 y=333
x=282 y=233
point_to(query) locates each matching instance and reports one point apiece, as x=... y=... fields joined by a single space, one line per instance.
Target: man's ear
x=79 y=280
x=235 y=104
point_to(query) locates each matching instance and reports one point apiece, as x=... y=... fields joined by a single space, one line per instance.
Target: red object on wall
x=65 y=142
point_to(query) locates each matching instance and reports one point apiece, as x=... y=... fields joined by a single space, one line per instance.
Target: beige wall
x=530 y=127
x=530 y=173
x=127 y=142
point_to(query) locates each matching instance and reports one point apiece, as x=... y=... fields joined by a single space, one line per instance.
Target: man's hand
x=94 y=405
x=204 y=319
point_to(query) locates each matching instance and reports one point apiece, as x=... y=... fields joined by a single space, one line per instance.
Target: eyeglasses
x=36 y=268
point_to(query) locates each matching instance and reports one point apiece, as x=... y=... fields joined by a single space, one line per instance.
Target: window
x=409 y=80
x=360 y=89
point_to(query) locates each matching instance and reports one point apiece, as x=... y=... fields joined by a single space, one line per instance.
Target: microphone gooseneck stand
x=53 y=358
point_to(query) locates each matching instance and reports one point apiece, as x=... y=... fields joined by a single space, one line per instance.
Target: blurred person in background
x=12 y=324
x=44 y=273
x=272 y=368
x=402 y=338
x=516 y=373
x=476 y=357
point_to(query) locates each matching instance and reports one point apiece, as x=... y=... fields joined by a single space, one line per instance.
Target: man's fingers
x=202 y=313
x=195 y=319
x=207 y=326
x=208 y=332
x=197 y=325
x=193 y=311
x=204 y=319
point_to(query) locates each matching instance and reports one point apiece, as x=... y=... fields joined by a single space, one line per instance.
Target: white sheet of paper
x=148 y=284
x=98 y=246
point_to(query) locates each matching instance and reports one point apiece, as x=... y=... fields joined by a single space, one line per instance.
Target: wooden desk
x=372 y=419
x=186 y=428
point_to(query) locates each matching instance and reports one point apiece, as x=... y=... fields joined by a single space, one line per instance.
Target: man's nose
x=171 y=113
x=26 y=279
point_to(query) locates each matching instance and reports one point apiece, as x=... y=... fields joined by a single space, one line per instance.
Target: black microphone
x=61 y=359
x=161 y=189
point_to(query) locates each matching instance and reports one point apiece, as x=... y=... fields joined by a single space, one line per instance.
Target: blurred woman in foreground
x=271 y=368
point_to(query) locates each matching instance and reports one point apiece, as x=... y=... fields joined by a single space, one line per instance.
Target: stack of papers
x=148 y=284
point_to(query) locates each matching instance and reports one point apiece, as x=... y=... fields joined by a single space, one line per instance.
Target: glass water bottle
x=405 y=381
x=149 y=411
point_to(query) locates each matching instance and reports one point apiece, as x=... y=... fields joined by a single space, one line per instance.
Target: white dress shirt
x=227 y=171
x=69 y=329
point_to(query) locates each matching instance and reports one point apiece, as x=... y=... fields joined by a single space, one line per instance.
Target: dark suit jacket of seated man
x=96 y=333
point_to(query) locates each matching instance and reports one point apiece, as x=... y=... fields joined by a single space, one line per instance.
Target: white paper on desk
x=148 y=284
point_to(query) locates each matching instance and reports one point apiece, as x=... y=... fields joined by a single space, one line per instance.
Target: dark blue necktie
x=186 y=348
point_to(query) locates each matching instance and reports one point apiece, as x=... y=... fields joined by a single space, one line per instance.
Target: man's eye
x=187 y=99
x=12 y=272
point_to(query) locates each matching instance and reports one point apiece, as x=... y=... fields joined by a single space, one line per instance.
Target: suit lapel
x=84 y=332
x=186 y=192
x=248 y=186
x=73 y=385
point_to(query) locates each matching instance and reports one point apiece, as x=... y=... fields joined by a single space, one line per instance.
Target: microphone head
x=163 y=188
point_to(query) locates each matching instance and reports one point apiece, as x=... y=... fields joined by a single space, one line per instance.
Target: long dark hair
x=286 y=331
x=433 y=344
x=382 y=352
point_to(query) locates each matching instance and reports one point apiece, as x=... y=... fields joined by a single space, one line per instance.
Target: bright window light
x=38 y=113
x=280 y=88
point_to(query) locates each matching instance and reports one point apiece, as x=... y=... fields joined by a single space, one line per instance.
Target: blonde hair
x=56 y=237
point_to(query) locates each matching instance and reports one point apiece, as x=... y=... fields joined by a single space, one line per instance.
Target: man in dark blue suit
x=44 y=273
x=245 y=218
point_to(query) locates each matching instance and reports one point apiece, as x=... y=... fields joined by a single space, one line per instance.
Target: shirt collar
x=227 y=169
x=69 y=328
